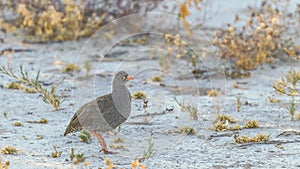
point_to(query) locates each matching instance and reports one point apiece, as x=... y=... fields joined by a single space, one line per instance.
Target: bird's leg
x=102 y=143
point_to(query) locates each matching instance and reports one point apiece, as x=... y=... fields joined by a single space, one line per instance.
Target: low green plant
x=48 y=97
x=84 y=136
x=150 y=150
x=287 y=85
x=79 y=158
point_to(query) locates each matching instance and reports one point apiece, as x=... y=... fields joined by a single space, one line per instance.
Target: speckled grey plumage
x=106 y=112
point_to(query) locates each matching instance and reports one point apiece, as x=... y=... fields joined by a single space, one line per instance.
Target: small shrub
x=261 y=39
x=136 y=164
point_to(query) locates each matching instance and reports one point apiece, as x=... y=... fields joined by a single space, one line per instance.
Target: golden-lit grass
x=251 y=124
x=139 y=95
x=262 y=38
x=256 y=138
x=9 y=150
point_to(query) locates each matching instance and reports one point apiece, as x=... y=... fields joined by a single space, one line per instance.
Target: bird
x=106 y=112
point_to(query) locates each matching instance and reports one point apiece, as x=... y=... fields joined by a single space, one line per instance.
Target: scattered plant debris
x=116 y=146
x=136 y=164
x=41 y=121
x=272 y=100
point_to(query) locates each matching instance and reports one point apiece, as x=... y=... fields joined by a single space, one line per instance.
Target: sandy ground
x=205 y=149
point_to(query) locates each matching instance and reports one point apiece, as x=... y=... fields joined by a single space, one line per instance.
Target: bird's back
x=98 y=115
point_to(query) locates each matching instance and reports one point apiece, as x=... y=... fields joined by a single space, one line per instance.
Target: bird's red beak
x=130 y=78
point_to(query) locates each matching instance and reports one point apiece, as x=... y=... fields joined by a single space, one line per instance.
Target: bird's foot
x=105 y=151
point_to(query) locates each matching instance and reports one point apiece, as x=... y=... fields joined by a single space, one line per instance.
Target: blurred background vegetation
x=268 y=34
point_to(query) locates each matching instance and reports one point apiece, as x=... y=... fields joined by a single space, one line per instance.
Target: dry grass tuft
x=213 y=93
x=156 y=79
x=55 y=153
x=5 y=165
x=256 y=138
x=70 y=67
x=185 y=130
x=9 y=150
x=251 y=124
x=139 y=95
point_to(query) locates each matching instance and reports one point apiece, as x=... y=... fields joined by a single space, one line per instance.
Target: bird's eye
x=124 y=77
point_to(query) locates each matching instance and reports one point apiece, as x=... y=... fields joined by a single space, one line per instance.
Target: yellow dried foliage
x=261 y=40
x=53 y=24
